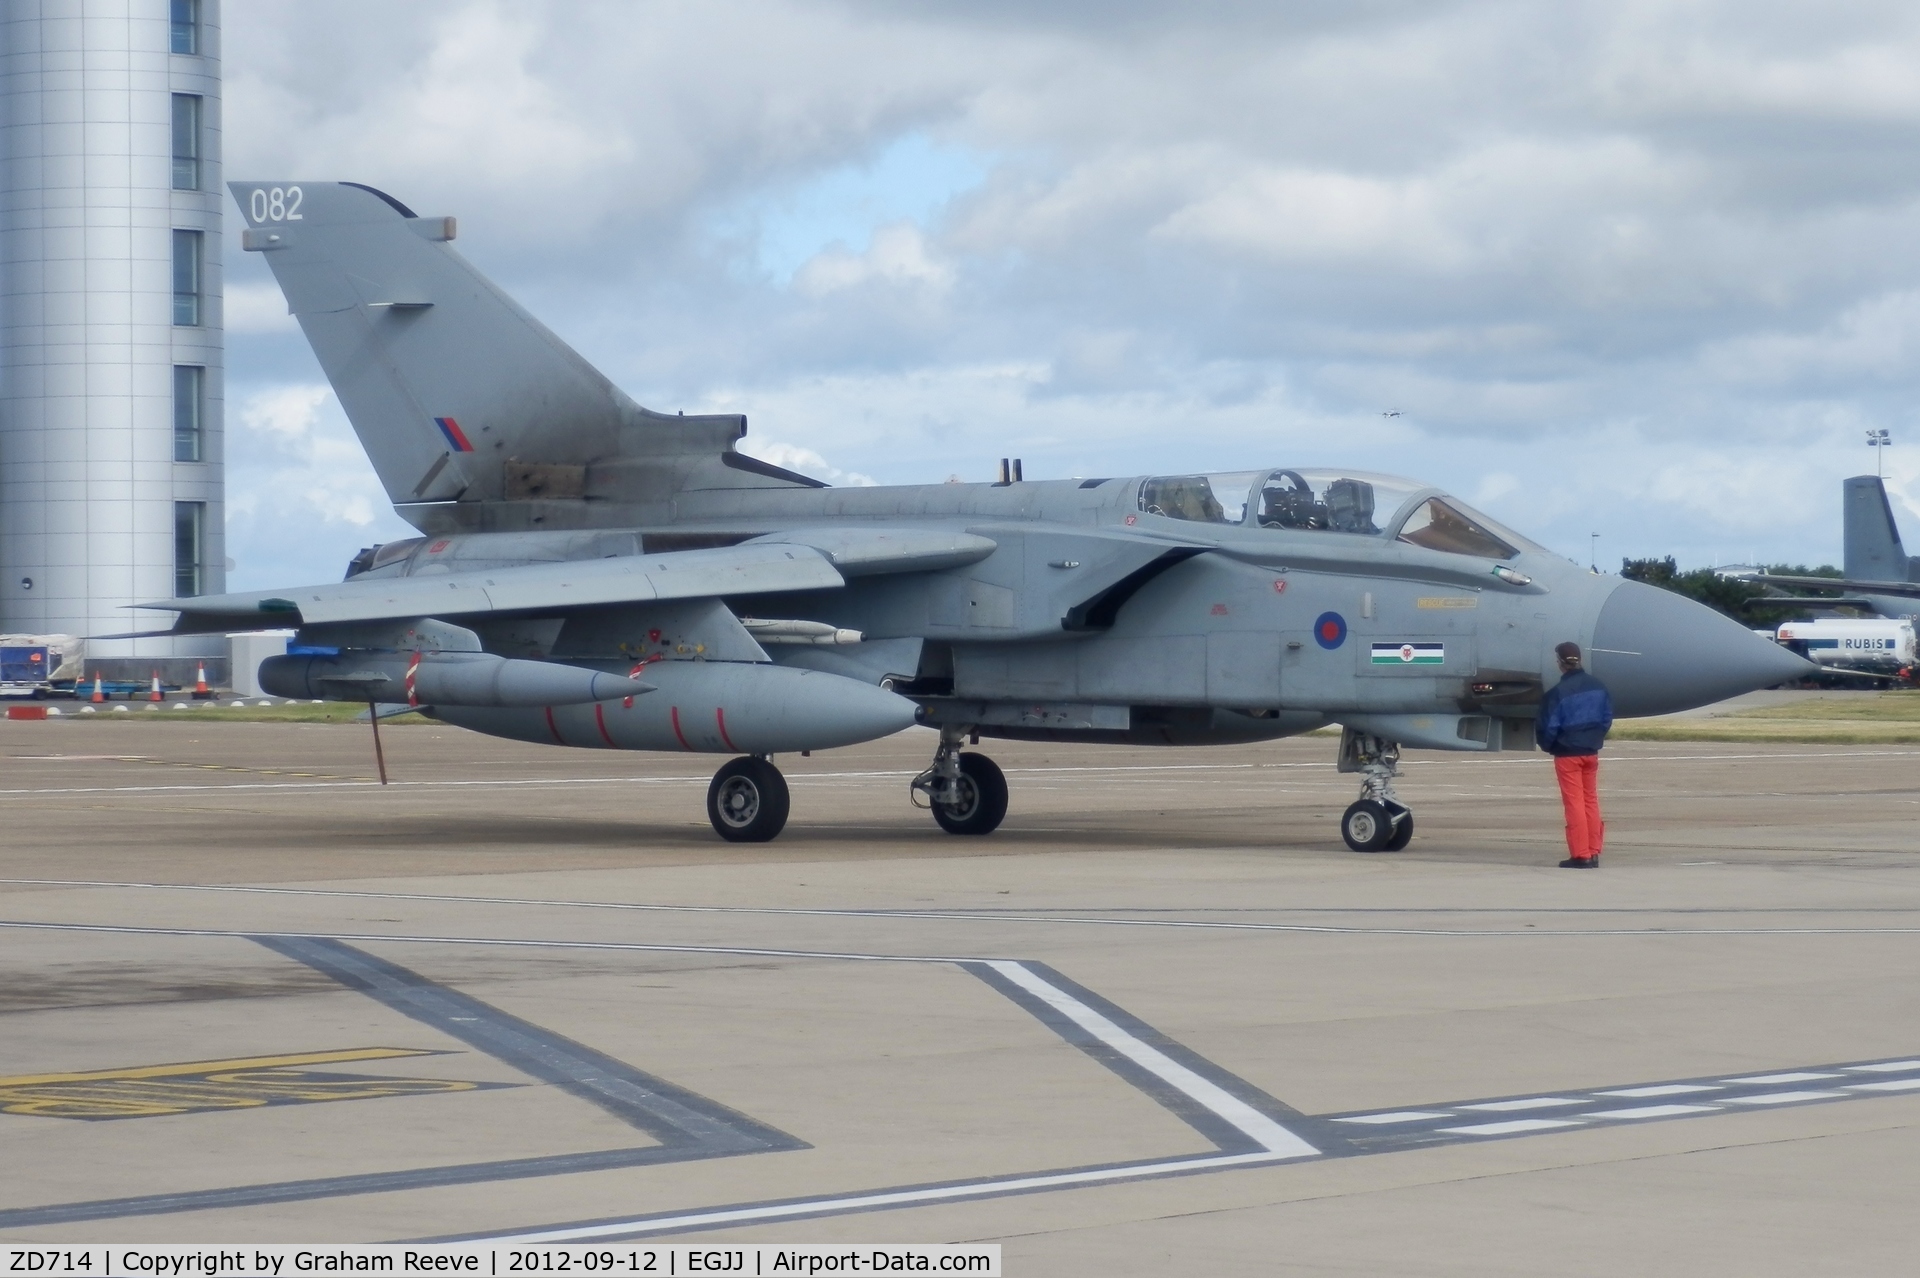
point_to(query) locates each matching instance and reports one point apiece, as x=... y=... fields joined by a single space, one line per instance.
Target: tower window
x=186 y=141
x=189 y=547
x=189 y=410
x=185 y=34
x=186 y=277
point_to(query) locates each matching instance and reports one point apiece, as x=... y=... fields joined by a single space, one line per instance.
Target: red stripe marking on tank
x=600 y=720
x=720 y=717
x=684 y=743
x=554 y=728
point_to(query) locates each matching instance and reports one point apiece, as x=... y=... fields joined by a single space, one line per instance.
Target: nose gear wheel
x=966 y=792
x=1377 y=821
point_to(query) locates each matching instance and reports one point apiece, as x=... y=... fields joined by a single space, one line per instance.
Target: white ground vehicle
x=1871 y=646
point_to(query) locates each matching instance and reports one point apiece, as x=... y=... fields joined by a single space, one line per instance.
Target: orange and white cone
x=200 y=688
x=155 y=695
x=98 y=696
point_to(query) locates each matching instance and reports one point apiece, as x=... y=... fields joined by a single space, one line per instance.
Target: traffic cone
x=200 y=689
x=155 y=694
x=98 y=696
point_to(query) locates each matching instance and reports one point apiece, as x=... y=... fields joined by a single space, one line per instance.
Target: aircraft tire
x=1367 y=826
x=747 y=801
x=983 y=789
x=1402 y=832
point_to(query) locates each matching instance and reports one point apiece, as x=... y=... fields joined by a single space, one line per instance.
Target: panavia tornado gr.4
x=593 y=574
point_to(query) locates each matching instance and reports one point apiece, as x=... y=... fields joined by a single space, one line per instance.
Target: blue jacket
x=1575 y=716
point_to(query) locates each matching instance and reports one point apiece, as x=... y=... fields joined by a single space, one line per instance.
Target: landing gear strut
x=747 y=801
x=967 y=792
x=1377 y=821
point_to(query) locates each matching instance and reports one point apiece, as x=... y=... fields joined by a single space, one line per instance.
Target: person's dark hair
x=1569 y=653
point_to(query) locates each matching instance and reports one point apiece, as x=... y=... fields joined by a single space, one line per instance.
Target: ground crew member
x=1575 y=717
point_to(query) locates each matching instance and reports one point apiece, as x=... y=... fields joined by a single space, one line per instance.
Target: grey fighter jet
x=590 y=573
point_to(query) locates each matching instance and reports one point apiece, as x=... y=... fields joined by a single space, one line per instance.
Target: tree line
x=1743 y=600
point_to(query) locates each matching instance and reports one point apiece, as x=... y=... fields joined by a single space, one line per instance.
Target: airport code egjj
x=278 y=1260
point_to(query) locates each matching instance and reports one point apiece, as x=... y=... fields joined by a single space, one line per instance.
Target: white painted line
x=367 y=938
x=971 y=917
x=1652 y=1111
x=1663 y=1089
x=723 y=1216
x=1531 y=1102
x=1886 y=1067
x=1890 y=1085
x=1780 y=1098
x=1271 y=1135
x=1513 y=1125
x=1800 y=1077
x=1398 y=1116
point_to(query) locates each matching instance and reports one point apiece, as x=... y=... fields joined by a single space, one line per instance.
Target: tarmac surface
x=1162 y=1022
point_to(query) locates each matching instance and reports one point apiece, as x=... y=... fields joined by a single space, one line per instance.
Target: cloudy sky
x=1649 y=270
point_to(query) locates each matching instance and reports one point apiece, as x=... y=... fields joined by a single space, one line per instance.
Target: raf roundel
x=1330 y=630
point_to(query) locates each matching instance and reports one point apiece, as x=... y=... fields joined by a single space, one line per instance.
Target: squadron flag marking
x=1409 y=654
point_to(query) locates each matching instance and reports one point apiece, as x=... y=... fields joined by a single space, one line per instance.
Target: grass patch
x=1887 y=718
x=1882 y=707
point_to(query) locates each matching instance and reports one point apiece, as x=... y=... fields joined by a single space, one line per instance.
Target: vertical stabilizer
x=467 y=405
x=1872 y=540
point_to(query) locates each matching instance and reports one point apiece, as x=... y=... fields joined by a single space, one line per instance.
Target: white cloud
x=301 y=495
x=897 y=256
x=803 y=460
x=249 y=306
x=1622 y=264
x=290 y=412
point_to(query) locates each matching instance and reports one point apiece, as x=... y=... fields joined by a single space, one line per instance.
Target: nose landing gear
x=967 y=792
x=747 y=801
x=1377 y=821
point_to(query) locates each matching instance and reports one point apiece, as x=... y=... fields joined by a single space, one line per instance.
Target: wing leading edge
x=686 y=574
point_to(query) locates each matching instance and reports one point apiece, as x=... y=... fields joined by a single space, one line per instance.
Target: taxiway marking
x=800 y=1208
x=983 y=916
x=1513 y=1126
x=1387 y=1130
x=201 y=1067
x=1652 y=1111
x=1269 y=1135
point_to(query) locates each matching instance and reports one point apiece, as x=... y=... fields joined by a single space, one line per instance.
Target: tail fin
x=457 y=394
x=1872 y=540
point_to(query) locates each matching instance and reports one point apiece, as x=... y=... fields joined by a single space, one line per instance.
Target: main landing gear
x=747 y=801
x=967 y=792
x=1377 y=821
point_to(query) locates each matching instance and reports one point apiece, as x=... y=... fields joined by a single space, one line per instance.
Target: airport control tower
x=110 y=324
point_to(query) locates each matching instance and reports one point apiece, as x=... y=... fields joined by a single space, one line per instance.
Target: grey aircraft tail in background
x=1880 y=575
x=1874 y=556
x=594 y=574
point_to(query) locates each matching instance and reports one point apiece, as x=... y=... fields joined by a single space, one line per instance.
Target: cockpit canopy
x=1353 y=502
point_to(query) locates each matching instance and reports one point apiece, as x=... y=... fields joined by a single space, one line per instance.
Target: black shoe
x=1581 y=863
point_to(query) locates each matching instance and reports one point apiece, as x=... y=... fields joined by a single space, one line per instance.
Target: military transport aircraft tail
x=1872 y=545
x=474 y=414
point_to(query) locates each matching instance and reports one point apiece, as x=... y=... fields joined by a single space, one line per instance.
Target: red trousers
x=1579 y=776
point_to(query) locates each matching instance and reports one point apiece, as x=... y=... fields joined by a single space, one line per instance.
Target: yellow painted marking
x=200 y=1086
x=207 y=1067
x=1448 y=601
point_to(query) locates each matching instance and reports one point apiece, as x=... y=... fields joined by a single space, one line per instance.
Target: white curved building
x=110 y=338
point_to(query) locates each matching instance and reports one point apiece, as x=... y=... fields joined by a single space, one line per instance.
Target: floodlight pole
x=1593 y=551
x=1878 y=440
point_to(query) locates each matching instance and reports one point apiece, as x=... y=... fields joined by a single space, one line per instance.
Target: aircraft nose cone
x=1659 y=652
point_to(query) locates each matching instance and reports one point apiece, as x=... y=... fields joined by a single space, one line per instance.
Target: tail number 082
x=275 y=204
